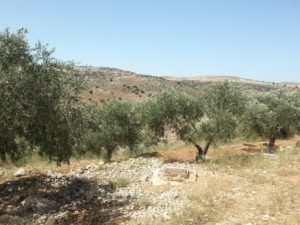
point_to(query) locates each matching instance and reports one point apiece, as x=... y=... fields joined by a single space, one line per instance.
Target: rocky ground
x=248 y=189
x=93 y=194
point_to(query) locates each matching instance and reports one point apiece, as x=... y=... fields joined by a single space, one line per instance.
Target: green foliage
x=134 y=89
x=120 y=182
x=40 y=109
x=174 y=111
x=39 y=99
x=274 y=114
x=224 y=104
x=212 y=116
x=112 y=126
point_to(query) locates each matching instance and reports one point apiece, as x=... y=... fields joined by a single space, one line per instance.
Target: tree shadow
x=66 y=199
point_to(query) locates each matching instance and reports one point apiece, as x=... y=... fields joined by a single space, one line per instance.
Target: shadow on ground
x=60 y=200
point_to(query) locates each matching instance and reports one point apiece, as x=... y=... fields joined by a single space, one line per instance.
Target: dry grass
x=143 y=203
x=209 y=203
x=235 y=161
x=246 y=189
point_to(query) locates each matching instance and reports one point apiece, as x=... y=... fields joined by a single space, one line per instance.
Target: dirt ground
x=241 y=185
x=244 y=148
x=246 y=188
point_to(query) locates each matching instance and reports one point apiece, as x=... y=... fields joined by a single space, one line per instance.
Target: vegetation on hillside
x=41 y=110
x=131 y=86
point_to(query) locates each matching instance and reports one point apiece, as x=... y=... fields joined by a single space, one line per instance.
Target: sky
x=256 y=39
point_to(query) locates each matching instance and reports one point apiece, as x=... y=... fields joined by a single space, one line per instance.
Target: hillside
x=106 y=83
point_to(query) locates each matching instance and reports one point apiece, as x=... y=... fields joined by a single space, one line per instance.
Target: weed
x=138 y=164
x=120 y=182
x=143 y=203
x=32 y=223
x=287 y=171
x=204 y=207
x=236 y=161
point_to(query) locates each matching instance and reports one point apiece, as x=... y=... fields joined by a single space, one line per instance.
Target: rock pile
x=122 y=190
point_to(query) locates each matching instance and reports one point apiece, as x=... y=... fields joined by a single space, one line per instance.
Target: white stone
x=20 y=172
x=157 y=178
x=192 y=176
x=266 y=217
x=43 y=217
x=166 y=216
x=49 y=173
x=176 y=172
x=144 y=178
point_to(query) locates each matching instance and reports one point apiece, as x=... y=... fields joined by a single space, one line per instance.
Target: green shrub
x=120 y=182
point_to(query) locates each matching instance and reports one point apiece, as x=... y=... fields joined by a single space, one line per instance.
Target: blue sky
x=258 y=39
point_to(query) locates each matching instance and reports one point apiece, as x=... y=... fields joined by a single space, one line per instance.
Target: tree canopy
x=174 y=111
x=224 y=104
x=39 y=98
x=112 y=126
x=40 y=107
x=273 y=115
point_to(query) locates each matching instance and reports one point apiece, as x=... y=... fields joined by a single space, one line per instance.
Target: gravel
x=121 y=190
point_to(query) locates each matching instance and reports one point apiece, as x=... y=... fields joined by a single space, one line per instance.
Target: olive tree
x=294 y=98
x=39 y=99
x=112 y=126
x=173 y=112
x=273 y=115
x=14 y=58
x=224 y=104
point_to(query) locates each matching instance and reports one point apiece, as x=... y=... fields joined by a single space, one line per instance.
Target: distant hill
x=110 y=83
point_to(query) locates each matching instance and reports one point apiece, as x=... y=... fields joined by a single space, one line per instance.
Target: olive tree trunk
x=271 y=145
x=201 y=152
x=109 y=154
x=206 y=147
x=199 y=149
